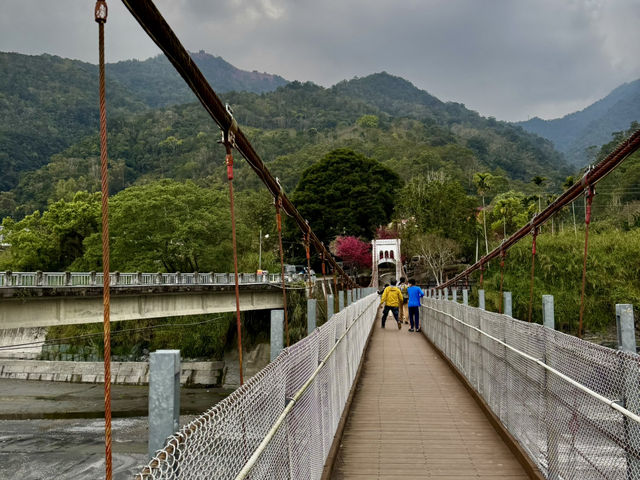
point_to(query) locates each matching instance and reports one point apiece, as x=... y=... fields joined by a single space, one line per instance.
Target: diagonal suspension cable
x=150 y=19
x=590 y=178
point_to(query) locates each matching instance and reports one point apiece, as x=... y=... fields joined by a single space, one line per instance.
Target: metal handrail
x=611 y=403
x=280 y=420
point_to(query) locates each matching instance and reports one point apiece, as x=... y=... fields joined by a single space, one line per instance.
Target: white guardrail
x=281 y=423
x=91 y=279
x=572 y=405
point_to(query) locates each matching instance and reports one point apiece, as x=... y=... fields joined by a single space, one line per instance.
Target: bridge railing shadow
x=572 y=405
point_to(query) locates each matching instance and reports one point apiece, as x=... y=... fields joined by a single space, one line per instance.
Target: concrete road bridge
x=40 y=299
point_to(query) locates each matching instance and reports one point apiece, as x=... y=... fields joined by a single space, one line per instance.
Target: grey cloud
x=509 y=59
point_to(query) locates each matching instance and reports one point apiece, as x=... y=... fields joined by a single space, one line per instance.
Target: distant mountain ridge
x=156 y=81
x=573 y=134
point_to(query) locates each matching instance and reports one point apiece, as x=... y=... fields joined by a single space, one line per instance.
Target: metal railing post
x=548 y=319
x=311 y=315
x=508 y=306
x=164 y=397
x=277 y=333
x=553 y=436
x=330 y=306
x=627 y=343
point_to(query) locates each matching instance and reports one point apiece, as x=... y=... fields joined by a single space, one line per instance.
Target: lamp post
x=260 y=250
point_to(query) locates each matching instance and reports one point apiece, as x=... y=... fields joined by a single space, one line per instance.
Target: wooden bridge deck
x=411 y=417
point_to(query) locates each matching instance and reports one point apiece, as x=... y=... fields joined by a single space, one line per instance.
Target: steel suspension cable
x=228 y=142
x=534 y=235
x=589 y=192
x=278 y=205
x=591 y=177
x=100 y=16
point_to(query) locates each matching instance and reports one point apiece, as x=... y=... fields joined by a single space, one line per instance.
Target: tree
x=168 y=226
x=353 y=251
x=482 y=182
x=539 y=182
x=439 y=205
x=346 y=192
x=54 y=239
x=436 y=253
x=509 y=211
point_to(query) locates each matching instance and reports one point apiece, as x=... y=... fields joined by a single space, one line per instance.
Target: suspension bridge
x=476 y=394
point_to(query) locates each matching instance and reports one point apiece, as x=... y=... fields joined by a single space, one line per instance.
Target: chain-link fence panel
x=572 y=405
x=281 y=423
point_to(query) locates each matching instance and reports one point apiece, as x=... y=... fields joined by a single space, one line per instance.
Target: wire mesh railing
x=281 y=423
x=572 y=405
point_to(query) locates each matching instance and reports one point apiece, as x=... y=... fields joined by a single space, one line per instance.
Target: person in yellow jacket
x=392 y=299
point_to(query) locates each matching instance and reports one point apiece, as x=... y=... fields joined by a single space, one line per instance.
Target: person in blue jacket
x=415 y=294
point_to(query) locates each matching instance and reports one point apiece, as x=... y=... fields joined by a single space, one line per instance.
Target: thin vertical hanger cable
x=100 y=16
x=589 y=193
x=278 y=204
x=228 y=141
x=534 y=235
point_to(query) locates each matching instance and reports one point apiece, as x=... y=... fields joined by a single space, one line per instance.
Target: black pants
x=385 y=312
x=414 y=317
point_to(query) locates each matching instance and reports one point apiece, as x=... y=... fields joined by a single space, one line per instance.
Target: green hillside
x=47 y=103
x=384 y=117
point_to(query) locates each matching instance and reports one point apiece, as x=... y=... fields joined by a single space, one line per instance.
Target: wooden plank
x=412 y=418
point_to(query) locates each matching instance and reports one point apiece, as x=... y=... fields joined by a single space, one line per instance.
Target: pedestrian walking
x=404 y=311
x=415 y=294
x=392 y=299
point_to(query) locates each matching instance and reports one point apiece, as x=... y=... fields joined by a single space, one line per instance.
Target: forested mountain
x=573 y=134
x=48 y=103
x=382 y=116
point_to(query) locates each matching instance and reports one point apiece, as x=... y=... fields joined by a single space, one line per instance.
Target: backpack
x=405 y=293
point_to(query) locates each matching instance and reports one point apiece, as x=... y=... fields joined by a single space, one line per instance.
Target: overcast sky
x=512 y=59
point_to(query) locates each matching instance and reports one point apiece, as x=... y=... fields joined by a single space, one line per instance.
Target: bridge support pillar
x=277 y=329
x=454 y=293
x=311 y=315
x=481 y=299
x=164 y=397
x=330 y=306
x=508 y=306
x=341 y=296
x=465 y=297
x=548 y=315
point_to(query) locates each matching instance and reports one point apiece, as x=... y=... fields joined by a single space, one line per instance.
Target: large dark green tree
x=346 y=193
